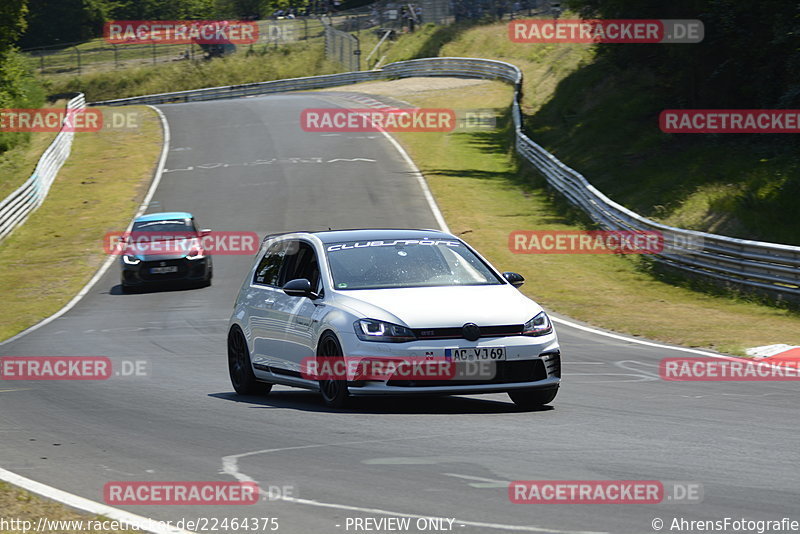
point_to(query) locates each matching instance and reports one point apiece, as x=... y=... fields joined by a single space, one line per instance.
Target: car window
x=165 y=225
x=270 y=265
x=300 y=262
x=406 y=263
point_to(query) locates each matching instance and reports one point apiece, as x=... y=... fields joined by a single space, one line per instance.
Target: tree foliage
x=749 y=58
x=53 y=22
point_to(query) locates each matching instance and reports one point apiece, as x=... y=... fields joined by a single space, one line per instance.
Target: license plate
x=161 y=270
x=476 y=354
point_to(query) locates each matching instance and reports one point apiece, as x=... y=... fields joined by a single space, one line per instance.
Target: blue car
x=165 y=248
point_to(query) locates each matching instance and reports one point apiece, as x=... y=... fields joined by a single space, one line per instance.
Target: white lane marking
x=482 y=482
x=629 y=365
x=73 y=501
x=103 y=268
x=765 y=351
x=230 y=466
x=437 y=214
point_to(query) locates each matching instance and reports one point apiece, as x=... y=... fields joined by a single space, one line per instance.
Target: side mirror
x=299 y=287
x=515 y=279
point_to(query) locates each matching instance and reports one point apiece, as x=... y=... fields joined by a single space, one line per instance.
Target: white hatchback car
x=394 y=298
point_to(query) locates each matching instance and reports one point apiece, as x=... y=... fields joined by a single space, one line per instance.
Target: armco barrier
x=16 y=207
x=768 y=267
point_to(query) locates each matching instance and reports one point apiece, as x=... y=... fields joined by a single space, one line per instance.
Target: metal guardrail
x=17 y=206
x=249 y=89
x=767 y=267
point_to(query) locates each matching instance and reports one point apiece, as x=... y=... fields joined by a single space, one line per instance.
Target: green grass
x=17 y=164
x=97 y=190
x=21 y=505
x=305 y=58
x=97 y=55
x=603 y=122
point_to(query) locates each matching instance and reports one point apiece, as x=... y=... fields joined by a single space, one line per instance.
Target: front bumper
x=531 y=363
x=187 y=271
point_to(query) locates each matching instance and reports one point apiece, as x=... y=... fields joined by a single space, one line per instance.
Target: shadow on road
x=308 y=401
x=155 y=288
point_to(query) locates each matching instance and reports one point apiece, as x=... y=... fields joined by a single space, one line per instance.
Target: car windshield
x=166 y=225
x=397 y=263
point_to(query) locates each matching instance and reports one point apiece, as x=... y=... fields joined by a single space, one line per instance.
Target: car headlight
x=195 y=254
x=538 y=326
x=373 y=330
x=130 y=259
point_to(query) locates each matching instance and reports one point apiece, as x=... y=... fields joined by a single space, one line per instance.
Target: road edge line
x=74 y=501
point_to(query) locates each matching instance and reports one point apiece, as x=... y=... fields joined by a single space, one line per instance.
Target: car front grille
x=457 y=332
x=508 y=372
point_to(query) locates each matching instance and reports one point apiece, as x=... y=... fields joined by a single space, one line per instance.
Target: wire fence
x=99 y=55
x=387 y=19
x=343 y=47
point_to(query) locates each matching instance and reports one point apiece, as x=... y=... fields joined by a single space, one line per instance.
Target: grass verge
x=18 y=504
x=602 y=120
x=17 y=164
x=97 y=190
x=484 y=194
x=306 y=58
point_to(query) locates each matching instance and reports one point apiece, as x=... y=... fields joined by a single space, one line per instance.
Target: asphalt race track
x=246 y=165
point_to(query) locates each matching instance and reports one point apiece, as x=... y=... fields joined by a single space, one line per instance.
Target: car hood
x=442 y=307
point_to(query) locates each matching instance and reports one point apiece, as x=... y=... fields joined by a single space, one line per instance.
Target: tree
x=12 y=22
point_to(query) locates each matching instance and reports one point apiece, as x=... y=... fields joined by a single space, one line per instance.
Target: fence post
x=116 y=56
x=357 y=53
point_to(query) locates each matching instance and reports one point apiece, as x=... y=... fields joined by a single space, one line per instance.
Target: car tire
x=530 y=399
x=334 y=392
x=241 y=372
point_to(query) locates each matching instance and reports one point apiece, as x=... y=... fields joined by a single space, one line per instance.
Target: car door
x=259 y=300
x=298 y=315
